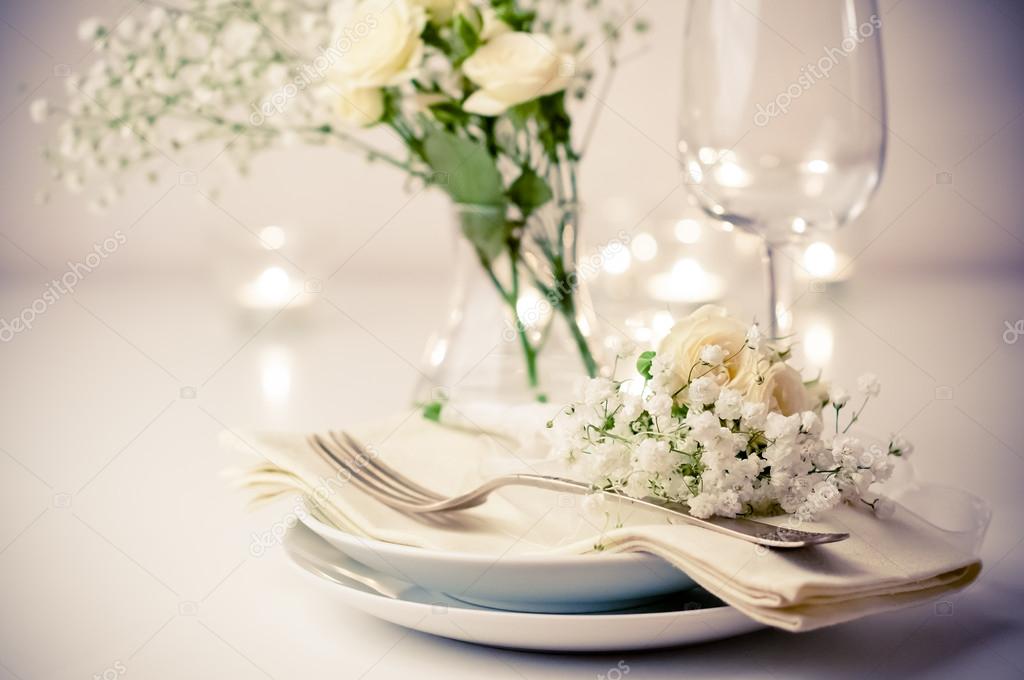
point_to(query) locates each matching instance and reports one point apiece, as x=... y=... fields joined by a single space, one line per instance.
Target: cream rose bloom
x=490 y=25
x=384 y=45
x=362 y=106
x=711 y=325
x=442 y=10
x=513 y=68
x=782 y=390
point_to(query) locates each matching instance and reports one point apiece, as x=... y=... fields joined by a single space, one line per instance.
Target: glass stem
x=779 y=289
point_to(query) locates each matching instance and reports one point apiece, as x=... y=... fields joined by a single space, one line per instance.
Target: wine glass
x=782 y=124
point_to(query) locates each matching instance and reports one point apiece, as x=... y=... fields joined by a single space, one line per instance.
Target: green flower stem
x=855 y=418
x=569 y=312
x=529 y=350
x=511 y=298
x=326 y=131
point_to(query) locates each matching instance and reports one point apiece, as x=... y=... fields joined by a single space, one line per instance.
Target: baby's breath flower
x=712 y=355
x=653 y=455
x=660 y=405
x=89 y=29
x=754 y=337
x=899 y=446
x=621 y=347
x=741 y=455
x=838 y=396
x=39 y=110
x=753 y=415
x=884 y=508
x=869 y=385
x=729 y=405
x=632 y=406
x=703 y=391
x=703 y=426
x=810 y=422
x=598 y=391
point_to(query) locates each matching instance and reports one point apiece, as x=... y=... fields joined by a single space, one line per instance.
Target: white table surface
x=122 y=551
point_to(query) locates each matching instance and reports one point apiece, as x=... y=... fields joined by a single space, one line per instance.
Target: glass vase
x=519 y=322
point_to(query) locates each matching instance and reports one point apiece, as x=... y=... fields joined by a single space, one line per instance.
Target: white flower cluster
x=719 y=432
x=243 y=77
x=169 y=80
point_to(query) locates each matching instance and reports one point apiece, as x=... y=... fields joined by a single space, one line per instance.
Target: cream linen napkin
x=886 y=564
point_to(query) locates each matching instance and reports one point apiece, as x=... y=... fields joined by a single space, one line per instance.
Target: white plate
x=685 y=618
x=526 y=583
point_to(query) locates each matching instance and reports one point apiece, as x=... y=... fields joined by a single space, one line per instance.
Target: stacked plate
x=597 y=602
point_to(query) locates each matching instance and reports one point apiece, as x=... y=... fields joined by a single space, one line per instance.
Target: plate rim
x=366 y=593
x=477 y=559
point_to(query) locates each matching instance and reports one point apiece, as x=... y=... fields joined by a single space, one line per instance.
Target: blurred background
x=953 y=70
x=178 y=334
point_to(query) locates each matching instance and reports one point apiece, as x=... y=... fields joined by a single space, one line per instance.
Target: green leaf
x=468 y=38
x=529 y=191
x=509 y=13
x=463 y=168
x=520 y=114
x=554 y=124
x=431 y=36
x=487 y=230
x=432 y=411
x=643 y=363
x=450 y=114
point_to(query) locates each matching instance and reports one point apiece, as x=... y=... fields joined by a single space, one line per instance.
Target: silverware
x=397 y=491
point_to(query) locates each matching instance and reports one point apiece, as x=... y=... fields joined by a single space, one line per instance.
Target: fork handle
x=748 y=530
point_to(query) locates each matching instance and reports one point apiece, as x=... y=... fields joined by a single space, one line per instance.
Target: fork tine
x=372 y=488
x=358 y=477
x=325 y=453
x=384 y=470
x=360 y=463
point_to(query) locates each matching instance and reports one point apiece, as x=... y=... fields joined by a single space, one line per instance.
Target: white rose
x=818 y=391
x=484 y=19
x=514 y=68
x=441 y=10
x=422 y=101
x=710 y=325
x=361 y=106
x=491 y=26
x=382 y=44
x=782 y=390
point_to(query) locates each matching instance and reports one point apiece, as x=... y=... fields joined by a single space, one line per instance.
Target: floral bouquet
x=474 y=94
x=719 y=421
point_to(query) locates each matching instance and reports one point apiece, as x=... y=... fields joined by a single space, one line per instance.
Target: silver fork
x=397 y=491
